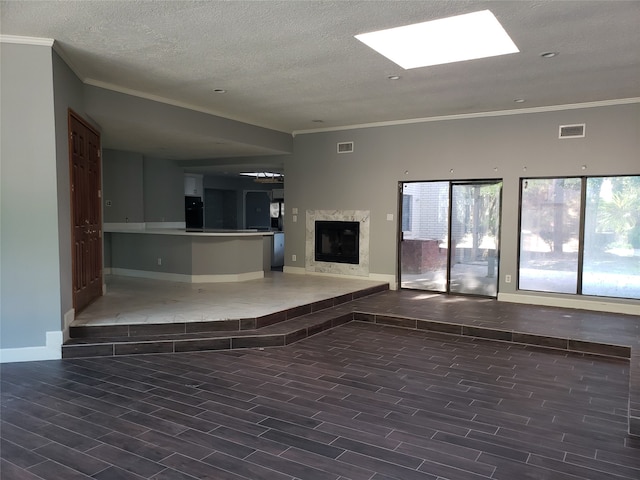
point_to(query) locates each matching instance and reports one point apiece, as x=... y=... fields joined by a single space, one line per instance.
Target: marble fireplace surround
x=361 y=216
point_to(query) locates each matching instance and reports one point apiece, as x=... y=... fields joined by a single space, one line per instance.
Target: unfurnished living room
x=315 y=239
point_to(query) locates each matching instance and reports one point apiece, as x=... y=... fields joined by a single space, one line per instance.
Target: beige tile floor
x=131 y=300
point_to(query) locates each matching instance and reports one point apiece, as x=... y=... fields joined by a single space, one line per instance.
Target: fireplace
x=337 y=241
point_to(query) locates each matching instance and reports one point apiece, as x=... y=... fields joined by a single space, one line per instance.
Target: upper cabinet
x=193 y=185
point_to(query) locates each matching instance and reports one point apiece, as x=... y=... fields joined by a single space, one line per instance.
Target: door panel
x=449 y=239
x=475 y=215
x=424 y=246
x=84 y=152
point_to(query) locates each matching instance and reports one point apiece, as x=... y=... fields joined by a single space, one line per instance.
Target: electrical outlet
x=159 y=261
x=294 y=258
x=507 y=278
x=295 y=218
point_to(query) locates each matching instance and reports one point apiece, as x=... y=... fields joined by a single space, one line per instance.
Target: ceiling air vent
x=345 y=147
x=572 y=131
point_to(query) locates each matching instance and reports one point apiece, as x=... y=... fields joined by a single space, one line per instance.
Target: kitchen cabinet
x=193 y=185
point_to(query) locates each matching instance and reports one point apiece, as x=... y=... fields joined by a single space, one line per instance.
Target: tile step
x=292 y=330
x=279 y=334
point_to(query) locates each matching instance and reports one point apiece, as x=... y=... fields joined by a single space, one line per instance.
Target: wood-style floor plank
x=361 y=401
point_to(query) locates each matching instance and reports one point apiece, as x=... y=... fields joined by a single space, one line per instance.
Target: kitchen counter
x=191 y=232
x=193 y=256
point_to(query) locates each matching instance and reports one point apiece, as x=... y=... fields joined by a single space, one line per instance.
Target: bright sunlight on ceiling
x=448 y=40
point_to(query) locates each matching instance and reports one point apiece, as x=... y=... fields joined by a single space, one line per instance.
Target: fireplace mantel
x=360 y=216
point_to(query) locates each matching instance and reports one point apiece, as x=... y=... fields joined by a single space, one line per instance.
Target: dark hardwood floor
x=362 y=401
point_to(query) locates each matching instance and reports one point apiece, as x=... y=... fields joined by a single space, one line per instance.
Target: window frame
x=581 y=233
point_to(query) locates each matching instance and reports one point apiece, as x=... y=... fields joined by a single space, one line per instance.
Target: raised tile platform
x=269 y=330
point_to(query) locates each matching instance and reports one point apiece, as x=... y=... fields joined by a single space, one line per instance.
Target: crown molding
x=42 y=42
x=498 y=113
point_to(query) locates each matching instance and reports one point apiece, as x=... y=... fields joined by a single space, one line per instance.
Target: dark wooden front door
x=84 y=159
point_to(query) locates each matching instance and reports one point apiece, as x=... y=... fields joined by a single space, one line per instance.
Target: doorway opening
x=449 y=237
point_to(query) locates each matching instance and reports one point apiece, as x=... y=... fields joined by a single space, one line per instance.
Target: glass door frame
x=450 y=252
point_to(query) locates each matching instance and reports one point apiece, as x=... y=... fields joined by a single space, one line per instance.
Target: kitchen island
x=195 y=256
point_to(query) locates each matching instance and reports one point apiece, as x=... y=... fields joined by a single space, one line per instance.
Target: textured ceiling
x=285 y=64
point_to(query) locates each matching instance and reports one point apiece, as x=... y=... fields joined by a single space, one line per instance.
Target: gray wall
x=30 y=270
x=491 y=147
x=226 y=255
x=123 y=180
x=186 y=255
x=163 y=191
x=157 y=118
x=68 y=94
x=136 y=251
x=141 y=189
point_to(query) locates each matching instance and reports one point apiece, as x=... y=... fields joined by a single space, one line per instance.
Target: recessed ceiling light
x=453 y=39
x=549 y=54
x=394 y=77
x=519 y=100
x=219 y=90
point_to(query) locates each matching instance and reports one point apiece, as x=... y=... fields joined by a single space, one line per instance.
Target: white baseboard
x=183 y=278
x=295 y=270
x=51 y=351
x=378 y=277
x=583 y=304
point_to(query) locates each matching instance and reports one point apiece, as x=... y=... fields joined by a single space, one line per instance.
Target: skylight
x=265 y=177
x=262 y=174
x=448 y=40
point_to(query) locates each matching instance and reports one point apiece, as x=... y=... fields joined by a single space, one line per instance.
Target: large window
x=580 y=236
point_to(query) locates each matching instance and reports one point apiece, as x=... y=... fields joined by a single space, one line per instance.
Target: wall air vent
x=345 y=147
x=572 y=131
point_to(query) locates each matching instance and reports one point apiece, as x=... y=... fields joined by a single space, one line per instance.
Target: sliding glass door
x=450 y=234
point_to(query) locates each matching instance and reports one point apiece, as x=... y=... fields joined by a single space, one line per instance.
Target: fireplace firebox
x=337 y=242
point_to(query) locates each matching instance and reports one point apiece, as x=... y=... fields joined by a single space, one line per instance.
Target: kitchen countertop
x=190 y=232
